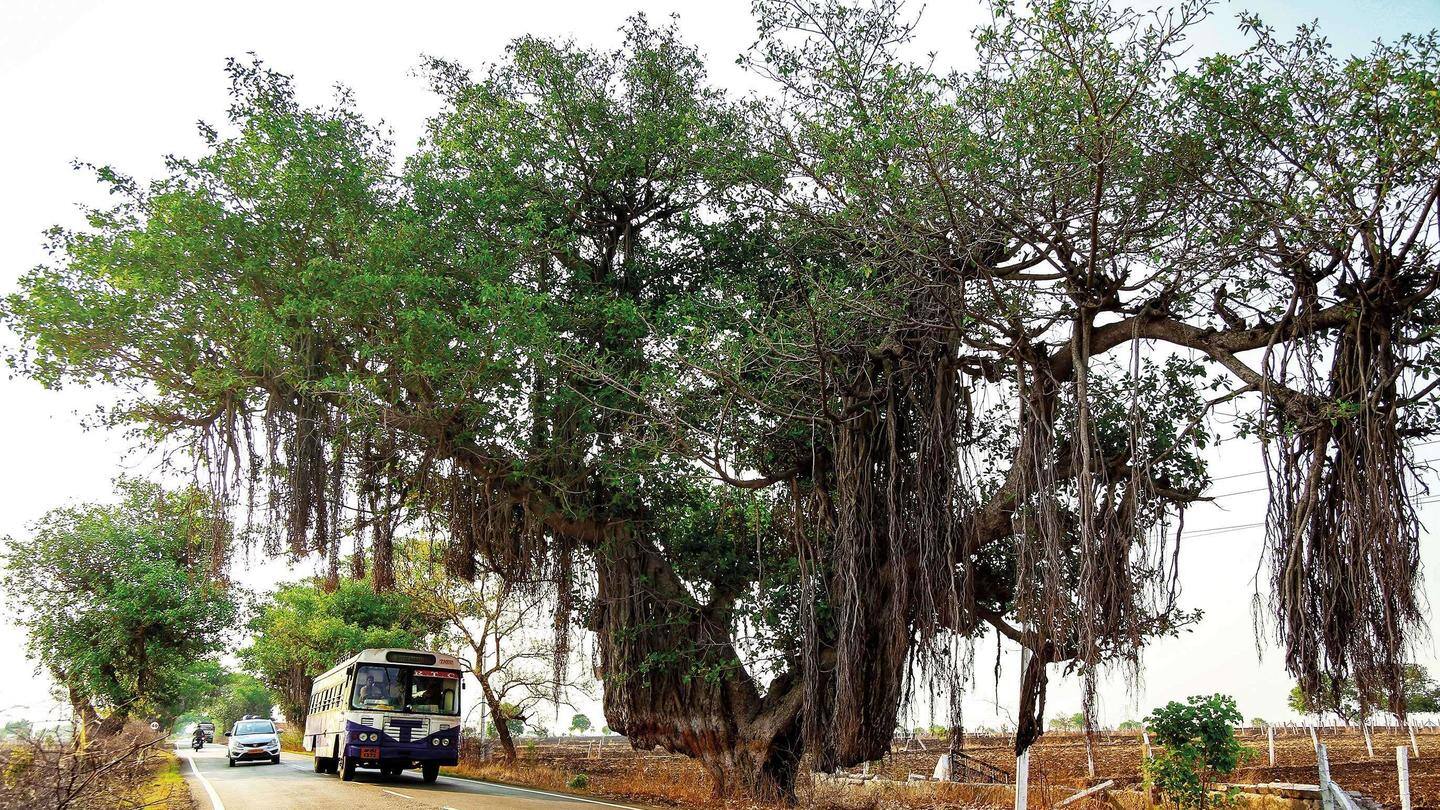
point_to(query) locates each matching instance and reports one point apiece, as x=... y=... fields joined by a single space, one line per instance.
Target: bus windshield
x=406 y=689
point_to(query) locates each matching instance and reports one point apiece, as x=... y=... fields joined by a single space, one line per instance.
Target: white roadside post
x=1402 y=769
x=1327 y=797
x=1369 y=745
x=942 y=769
x=1414 y=746
x=1022 y=780
x=1314 y=740
x=1270 y=733
x=1145 y=735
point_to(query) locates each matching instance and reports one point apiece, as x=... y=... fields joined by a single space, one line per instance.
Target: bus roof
x=396 y=655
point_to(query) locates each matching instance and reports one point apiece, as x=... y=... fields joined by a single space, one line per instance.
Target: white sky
x=125 y=83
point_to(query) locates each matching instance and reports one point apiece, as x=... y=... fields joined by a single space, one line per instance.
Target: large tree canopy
x=784 y=398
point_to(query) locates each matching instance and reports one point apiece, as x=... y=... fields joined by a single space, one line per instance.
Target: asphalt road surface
x=293 y=784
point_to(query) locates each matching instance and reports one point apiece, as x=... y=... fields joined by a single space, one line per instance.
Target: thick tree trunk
x=500 y=721
x=674 y=680
x=295 y=696
x=84 y=718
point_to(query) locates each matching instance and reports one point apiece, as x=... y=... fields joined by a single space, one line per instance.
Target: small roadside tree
x=303 y=629
x=16 y=729
x=1197 y=748
x=240 y=694
x=123 y=604
x=580 y=723
x=489 y=622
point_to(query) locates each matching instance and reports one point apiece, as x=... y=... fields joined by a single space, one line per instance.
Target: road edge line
x=555 y=794
x=210 y=793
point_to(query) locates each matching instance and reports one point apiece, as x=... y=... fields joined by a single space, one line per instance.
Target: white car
x=253 y=739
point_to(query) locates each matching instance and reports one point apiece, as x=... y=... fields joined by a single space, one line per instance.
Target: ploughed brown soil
x=1058 y=760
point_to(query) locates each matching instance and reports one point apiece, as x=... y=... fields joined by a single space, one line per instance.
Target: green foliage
x=1342 y=697
x=123 y=603
x=1196 y=747
x=580 y=723
x=514 y=723
x=1068 y=722
x=1130 y=725
x=15 y=729
x=578 y=782
x=240 y=694
x=302 y=630
x=601 y=289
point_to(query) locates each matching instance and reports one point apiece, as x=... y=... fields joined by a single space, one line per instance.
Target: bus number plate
x=369 y=753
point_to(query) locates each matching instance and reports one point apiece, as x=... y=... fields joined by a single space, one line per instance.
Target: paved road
x=293 y=784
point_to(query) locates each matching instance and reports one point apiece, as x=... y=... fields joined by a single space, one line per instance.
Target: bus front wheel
x=347 y=769
x=430 y=771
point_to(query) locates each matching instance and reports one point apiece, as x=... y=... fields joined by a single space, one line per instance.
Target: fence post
x=1022 y=780
x=1145 y=736
x=1414 y=746
x=1270 y=733
x=1314 y=740
x=1402 y=769
x=1327 y=799
x=1369 y=746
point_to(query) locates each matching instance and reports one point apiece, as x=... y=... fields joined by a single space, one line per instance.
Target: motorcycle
x=197 y=743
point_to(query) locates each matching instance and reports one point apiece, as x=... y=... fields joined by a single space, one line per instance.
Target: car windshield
x=406 y=689
x=254 y=727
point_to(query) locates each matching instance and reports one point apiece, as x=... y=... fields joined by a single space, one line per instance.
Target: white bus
x=388 y=710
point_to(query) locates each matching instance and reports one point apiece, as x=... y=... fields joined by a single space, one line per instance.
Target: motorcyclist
x=197 y=740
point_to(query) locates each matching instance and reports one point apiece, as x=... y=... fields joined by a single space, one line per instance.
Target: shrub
x=1197 y=749
x=578 y=782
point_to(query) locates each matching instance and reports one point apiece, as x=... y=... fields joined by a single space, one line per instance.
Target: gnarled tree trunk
x=675 y=681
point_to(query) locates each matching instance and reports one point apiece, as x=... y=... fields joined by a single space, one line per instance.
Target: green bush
x=1197 y=749
x=578 y=782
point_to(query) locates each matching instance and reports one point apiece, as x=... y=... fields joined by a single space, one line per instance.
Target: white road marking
x=205 y=783
x=569 y=796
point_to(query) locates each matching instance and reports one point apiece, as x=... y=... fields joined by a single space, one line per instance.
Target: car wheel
x=430 y=771
x=275 y=760
x=230 y=760
x=347 y=769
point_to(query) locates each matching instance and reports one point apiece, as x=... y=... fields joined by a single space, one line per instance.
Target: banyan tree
x=788 y=398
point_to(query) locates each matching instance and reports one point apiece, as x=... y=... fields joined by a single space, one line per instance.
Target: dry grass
x=520 y=772
x=166 y=789
x=291 y=740
x=129 y=770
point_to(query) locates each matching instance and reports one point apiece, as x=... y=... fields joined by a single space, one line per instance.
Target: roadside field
x=1058 y=761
